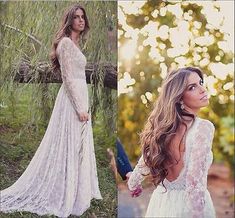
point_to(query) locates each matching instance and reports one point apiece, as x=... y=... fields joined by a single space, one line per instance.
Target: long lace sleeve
x=196 y=177
x=138 y=174
x=66 y=59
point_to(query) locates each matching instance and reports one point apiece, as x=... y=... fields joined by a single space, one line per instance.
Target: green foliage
x=226 y=138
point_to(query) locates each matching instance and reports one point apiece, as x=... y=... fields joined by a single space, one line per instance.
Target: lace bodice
x=197 y=160
x=72 y=64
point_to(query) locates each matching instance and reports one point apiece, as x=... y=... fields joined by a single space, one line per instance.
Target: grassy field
x=19 y=141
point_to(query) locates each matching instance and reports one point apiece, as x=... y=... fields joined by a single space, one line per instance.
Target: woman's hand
x=137 y=191
x=83 y=116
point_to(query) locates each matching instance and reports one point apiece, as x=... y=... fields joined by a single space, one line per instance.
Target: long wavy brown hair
x=65 y=30
x=164 y=121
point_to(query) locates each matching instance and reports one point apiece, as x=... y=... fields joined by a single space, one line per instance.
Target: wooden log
x=26 y=74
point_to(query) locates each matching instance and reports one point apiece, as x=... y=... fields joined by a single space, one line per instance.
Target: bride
x=61 y=179
x=176 y=150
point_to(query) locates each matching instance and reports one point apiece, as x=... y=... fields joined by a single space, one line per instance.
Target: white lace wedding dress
x=187 y=196
x=61 y=179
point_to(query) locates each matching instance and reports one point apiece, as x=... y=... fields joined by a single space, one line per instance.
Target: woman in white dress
x=61 y=179
x=176 y=149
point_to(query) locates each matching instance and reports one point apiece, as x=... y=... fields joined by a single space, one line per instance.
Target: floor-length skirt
x=173 y=204
x=61 y=178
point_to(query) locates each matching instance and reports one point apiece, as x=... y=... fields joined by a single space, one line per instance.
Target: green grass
x=19 y=141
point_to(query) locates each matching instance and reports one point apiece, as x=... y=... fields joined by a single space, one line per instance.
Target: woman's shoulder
x=65 y=44
x=65 y=41
x=205 y=124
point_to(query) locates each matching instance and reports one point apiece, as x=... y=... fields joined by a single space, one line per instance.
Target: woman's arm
x=138 y=175
x=196 y=178
x=65 y=54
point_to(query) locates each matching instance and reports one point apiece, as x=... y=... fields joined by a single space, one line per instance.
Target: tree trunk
x=26 y=74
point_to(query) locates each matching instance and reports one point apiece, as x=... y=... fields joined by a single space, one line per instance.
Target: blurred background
x=155 y=37
x=27 y=32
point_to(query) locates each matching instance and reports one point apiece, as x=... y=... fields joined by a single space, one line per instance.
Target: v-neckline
x=75 y=44
x=184 y=155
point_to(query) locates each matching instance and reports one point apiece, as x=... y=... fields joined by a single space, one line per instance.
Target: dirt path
x=219 y=185
x=222 y=190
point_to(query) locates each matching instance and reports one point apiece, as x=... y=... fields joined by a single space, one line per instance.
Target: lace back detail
x=193 y=176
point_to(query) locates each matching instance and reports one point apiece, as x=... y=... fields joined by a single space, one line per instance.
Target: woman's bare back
x=177 y=148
